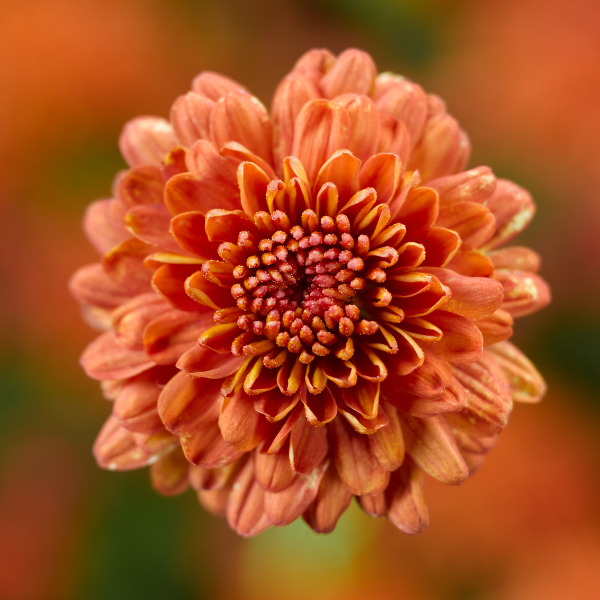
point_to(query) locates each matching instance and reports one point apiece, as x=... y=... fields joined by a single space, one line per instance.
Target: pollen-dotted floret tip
x=310 y=303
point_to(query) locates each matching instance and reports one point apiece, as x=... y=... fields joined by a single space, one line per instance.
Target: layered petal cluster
x=308 y=304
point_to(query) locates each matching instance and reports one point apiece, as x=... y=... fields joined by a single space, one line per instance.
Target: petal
x=387 y=443
x=169 y=280
x=90 y=285
x=441 y=245
x=363 y=138
x=418 y=212
x=125 y=264
x=205 y=363
x=355 y=460
x=363 y=398
x=471 y=262
x=190 y=116
x=524 y=292
x=526 y=383
x=439 y=148
x=319 y=408
x=207 y=293
x=489 y=401
x=131 y=318
x=341 y=170
x=393 y=137
x=308 y=446
x=375 y=506
x=104 y=358
x=284 y=507
x=275 y=405
x=431 y=445
x=189 y=231
x=472 y=297
x=473 y=222
x=382 y=172
x=245 y=508
x=171 y=334
x=291 y=95
x=240 y=117
x=317 y=60
x=273 y=471
x=169 y=474
x=214 y=85
x=241 y=154
x=115 y=448
x=101 y=229
x=322 y=127
x=475 y=185
x=150 y=224
x=353 y=72
x=513 y=209
x=406 y=102
x=332 y=499
x=461 y=342
x=406 y=499
x=146 y=140
x=252 y=181
x=495 y=328
x=515 y=257
x=224 y=225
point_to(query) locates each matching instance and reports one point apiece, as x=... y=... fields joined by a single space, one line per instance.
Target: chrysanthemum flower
x=309 y=304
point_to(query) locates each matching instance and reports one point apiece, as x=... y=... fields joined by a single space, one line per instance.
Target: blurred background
x=521 y=76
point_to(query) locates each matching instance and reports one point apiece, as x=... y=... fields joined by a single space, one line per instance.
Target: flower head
x=307 y=305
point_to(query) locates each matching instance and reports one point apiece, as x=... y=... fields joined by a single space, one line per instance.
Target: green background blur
x=522 y=77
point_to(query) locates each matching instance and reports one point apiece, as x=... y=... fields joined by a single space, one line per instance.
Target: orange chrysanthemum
x=310 y=304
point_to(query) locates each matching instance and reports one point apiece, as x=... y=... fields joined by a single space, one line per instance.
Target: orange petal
x=104 y=358
x=332 y=499
x=387 y=443
x=207 y=293
x=524 y=292
x=125 y=264
x=214 y=85
x=319 y=408
x=275 y=405
x=205 y=363
x=364 y=125
x=169 y=474
x=322 y=127
x=252 y=181
x=285 y=506
x=169 y=280
x=240 y=117
x=146 y=140
x=101 y=228
x=375 y=506
x=341 y=373
x=224 y=225
x=472 y=297
x=363 y=398
x=368 y=364
x=245 y=508
x=341 y=169
x=438 y=151
x=190 y=116
x=239 y=152
x=382 y=172
x=241 y=426
x=290 y=96
x=471 y=262
x=516 y=257
x=474 y=185
x=353 y=72
x=131 y=318
x=441 y=245
x=393 y=137
x=135 y=406
x=495 y=328
x=473 y=222
x=406 y=499
x=513 y=209
x=90 y=285
x=150 y=224
x=431 y=445
x=308 y=446
x=273 y=471
x=526 y=383
x=355 y=460
x=418 y=212
x=461 y=342
x=189 y=231
x=406 y=102
x=171 y=334
x=489 y=402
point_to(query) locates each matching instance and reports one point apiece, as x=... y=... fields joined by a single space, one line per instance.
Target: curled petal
x=322 y=127
x=275 y=405
x=406 y=499
x=319 y=408
x=332 y=499
x=135 y=406
x=190 y=116
x=526 y=383
x=341 y=170
x=308 y=446
x=439 y=148
x=489 y=402
x=245 y=507
x=125 y=264
x=524 y=292
x=353 y=72
x=169 y=474
x=474 y=185
x=241 y=426
x=252 y=181
x=214 y=85
x=146 y=140
x=515 y=257
x=189 y=231
x=240 y=117
x=273 y=472
x=224 y=225
x=285 y=506
x=472 y=297
x=387 y=443
x=169 y=281
x=150 y=224
x=206 y=363
x=382 y=172
x=495 y=328
x=418 y=212
x=355 y=460
x=101 y=228
x=513 y=209
x=105 y=358
x=206 y=292
x=441 y=245
x=318 y=61
x=364 y=125
x=393 y=137
x=375 y=506
x=432 y=447
x=471 y=262
x=472 y=221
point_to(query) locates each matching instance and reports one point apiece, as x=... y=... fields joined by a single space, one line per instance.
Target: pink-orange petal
x=146 y=140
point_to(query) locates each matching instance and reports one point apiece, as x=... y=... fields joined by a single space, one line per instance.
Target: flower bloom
x=309 y=304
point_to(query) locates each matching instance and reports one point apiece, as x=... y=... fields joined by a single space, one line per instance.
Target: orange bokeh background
x=522 y=77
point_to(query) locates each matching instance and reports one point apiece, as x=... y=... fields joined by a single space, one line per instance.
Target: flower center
x=299 y=286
